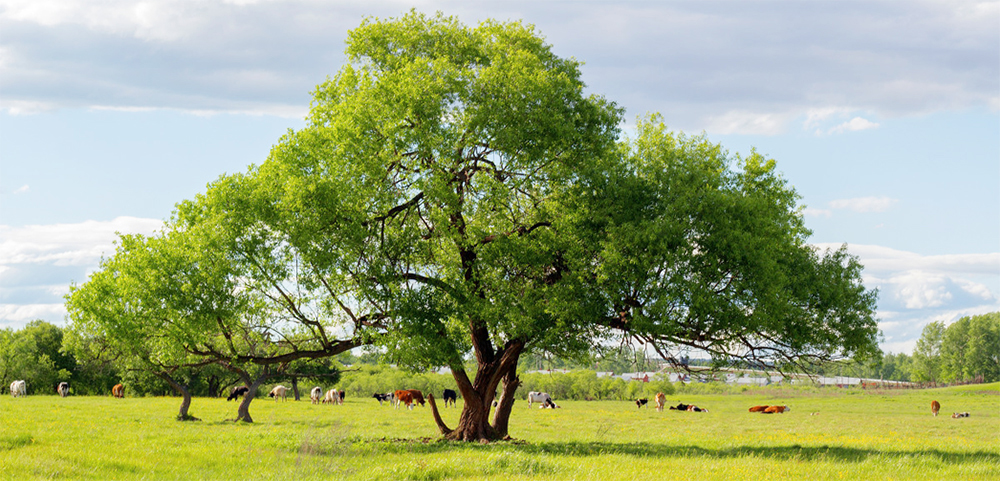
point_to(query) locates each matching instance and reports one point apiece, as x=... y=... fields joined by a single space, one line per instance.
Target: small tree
x=213 y=287
x=927 y=354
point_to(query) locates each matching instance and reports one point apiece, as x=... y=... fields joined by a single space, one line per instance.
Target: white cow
x=541 y=397
x=333 y=397
x=279 y=391
x=316 y=394
x=18 y=388
x=63 y=389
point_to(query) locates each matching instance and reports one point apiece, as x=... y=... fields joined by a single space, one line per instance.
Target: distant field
x=854 y=435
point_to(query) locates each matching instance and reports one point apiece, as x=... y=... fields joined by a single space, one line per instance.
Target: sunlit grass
x=851 y=435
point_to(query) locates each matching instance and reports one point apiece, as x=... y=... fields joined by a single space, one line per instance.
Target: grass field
x=855 y=435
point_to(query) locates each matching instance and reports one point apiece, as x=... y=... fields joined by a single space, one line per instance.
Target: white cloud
x=20 y=190
x=864 y=204
x=747 y=123
x=853 y=125
x=810 y=212
x=67 y=244
x=718 y=72
x=916 y=289
x=17 y=315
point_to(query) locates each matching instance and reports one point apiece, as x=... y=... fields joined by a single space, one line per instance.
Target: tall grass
x=853 y=435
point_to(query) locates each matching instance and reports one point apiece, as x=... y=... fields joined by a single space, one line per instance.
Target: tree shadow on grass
x=651 y=450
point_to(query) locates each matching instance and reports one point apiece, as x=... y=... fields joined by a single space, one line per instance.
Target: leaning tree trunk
x=295 y=387
x=243 y=412
x=182 y=415
x=501 y=417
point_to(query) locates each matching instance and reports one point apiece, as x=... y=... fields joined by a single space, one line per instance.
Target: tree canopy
x=456 y=193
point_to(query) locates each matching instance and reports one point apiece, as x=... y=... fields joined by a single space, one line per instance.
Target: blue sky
x=885 y=116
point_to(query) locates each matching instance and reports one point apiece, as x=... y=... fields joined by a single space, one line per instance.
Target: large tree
x=455 y=192
x=458 y=181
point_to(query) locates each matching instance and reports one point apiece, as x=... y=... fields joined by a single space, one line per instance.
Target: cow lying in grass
x=959 y=415
x=770 y=409
x=688 y=407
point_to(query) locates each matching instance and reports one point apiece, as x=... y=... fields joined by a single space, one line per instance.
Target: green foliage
x=585 y=385
x=367 y=380
x=967 y=348
x=693 y=248
x=33 y=354
x=927 y=354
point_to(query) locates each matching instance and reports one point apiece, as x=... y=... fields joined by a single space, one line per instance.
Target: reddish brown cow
x=776 y=409
x=935 y=407
x=758 y=409
x=118 y=391
x=409 y=397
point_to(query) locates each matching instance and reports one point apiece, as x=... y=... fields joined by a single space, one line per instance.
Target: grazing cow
x=959 y=415
x=409 y=397
x=639 y=403
x=63 y=389
x=548 y=404
x=758 y=409
x=333 y=396
x=935 y=407
x=316 y=394
x=382 y=397
x=118 y=391
x=661 y=400
x=777 y=409
x=238 y=392
x=402 y=397
x=279 y=392
x=449 y=395
x=540 y=397
x=18 y=389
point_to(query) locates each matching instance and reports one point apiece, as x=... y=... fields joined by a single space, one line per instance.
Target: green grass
x=854 y=435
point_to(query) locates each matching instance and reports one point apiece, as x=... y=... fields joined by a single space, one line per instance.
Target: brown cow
x=758 y=409
x=661 y=400
x=118 y=391
x=935 y=407
x=777 y=409
x=409 y=397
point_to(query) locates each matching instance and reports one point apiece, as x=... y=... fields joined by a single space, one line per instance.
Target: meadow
x=852 y=435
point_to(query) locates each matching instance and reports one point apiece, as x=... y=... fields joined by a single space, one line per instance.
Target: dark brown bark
x=505 y=405
x=295 y=387
x=437 y=416
x=473 y=423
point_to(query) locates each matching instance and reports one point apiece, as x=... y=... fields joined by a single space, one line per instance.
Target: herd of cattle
x=412 y=397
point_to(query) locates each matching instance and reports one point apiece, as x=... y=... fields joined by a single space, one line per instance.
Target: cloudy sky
x=885 y=116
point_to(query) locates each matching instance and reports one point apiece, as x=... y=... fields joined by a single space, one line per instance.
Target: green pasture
x=852 y=435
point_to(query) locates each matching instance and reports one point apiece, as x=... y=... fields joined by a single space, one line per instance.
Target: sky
x=884 y=116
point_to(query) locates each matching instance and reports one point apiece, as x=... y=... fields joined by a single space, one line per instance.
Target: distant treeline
x=44 y=355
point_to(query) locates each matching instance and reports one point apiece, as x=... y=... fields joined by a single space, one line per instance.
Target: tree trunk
x=182 y=415
x=295 y=387
x=243 y=412
x=501 y=417
x=473 y=423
